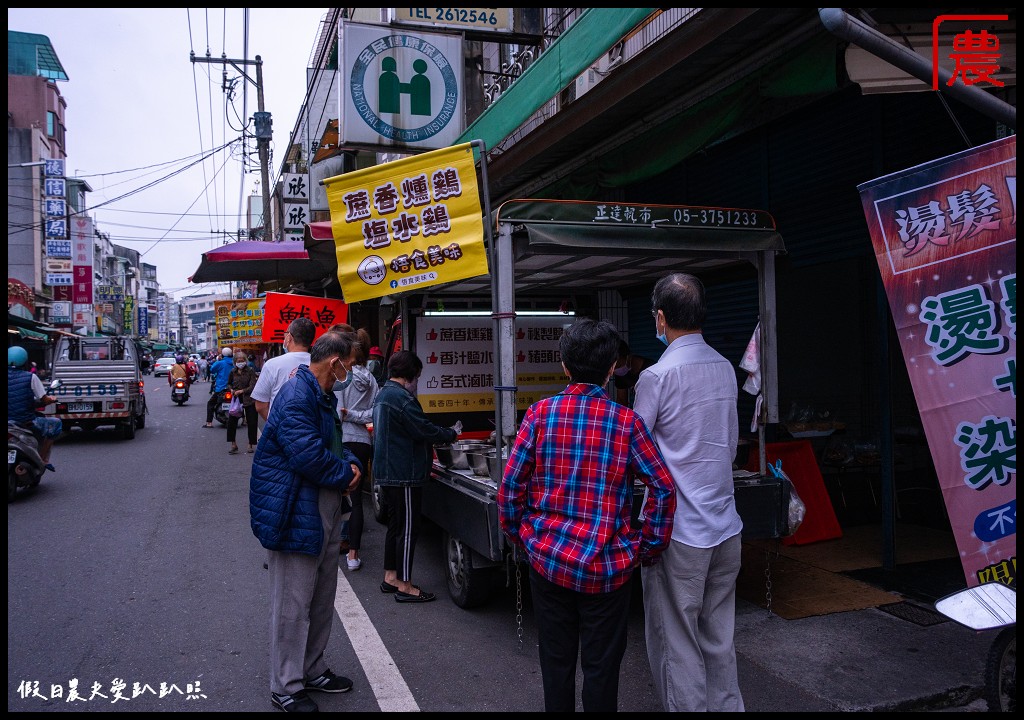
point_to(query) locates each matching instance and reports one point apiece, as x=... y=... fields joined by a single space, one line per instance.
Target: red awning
x=257 y=260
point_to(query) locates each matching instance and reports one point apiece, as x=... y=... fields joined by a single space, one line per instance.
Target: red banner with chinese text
x=281 y=308
x=945 y=237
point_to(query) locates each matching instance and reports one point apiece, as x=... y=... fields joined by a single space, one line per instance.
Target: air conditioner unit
x=596 y=72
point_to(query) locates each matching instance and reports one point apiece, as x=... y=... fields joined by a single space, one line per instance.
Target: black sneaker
x=296 y=702
x=329 y=683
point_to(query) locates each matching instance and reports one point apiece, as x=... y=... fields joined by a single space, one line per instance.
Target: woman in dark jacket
x=403 y=439
x=241 y=381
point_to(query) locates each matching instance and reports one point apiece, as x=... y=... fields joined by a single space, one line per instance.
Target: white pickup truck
x=101 y=384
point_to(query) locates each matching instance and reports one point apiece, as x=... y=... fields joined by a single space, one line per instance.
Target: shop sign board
x=401 y=87
x=408 y=224
x=239 y=321
x=459 y=363
x=281 y=308
x=945 y=237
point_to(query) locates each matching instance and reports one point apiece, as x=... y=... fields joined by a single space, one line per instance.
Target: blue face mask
x=663 y=338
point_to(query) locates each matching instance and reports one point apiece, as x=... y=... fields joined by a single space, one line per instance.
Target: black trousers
x=572 y=624
x=216 y=399
x=363 y=453
x=251 y=418
x=403 y=504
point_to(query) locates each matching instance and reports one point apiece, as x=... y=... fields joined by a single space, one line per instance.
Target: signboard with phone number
x=460 y=17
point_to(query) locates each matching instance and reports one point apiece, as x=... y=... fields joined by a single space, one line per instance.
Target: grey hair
x=332 y=343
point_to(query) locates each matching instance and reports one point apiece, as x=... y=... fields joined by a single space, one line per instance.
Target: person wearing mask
x=627 y=370
x=296 y=501
x=219 y=373
x=376 y=365
x=566 y=499
x=202 y=365
x=355 y=407
x=276 y=371
x=402 y=450
x=25 y=394
x=242 y=380
x=688 y=400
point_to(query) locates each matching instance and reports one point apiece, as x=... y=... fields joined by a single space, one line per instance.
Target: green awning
x=575 y=50
x=161 y=346
x=32 y=334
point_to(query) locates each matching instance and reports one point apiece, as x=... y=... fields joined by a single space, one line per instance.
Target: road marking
x=386 y=681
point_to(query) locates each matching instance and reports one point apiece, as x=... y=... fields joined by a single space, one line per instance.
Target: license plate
x=79 y=407
x=225 y=406
x=179 y=391
x=12 y=455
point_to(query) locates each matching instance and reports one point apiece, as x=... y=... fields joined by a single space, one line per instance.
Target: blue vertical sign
x=143 y=319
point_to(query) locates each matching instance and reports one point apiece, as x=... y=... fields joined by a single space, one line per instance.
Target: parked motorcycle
x=989 y=606
x=221 y=410
x=179 y=391
x=25 y=467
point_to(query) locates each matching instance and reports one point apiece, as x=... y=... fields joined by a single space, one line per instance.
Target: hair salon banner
x=945 y=237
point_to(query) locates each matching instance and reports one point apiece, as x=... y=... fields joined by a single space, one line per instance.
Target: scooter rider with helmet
x=179 y=371
x=25 y=393
x=219 y=373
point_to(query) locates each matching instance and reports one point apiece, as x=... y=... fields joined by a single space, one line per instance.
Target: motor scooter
x=25 y=467
x=221 y=410
x=989 y=606
x=179 y=391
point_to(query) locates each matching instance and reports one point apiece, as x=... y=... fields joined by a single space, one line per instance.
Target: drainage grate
x=913 y=613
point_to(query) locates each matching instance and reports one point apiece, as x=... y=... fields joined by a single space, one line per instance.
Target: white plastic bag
x=797 y=509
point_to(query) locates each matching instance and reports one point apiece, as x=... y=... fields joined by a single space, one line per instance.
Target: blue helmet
x=16 y=356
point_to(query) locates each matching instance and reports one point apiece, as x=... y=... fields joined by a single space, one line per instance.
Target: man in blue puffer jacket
x=296 y=503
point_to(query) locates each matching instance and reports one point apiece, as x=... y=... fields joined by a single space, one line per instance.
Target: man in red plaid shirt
x=566 y=499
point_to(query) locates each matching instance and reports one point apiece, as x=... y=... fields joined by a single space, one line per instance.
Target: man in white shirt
x=276 y=371
x=688 y=402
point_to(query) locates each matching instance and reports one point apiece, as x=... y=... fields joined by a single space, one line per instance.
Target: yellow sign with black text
x=407 y=224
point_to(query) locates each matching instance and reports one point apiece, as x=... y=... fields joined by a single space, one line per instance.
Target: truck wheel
x=468 y=586
x=380 y=513
x=128 y=428
x=140 y=421
x=1001 y=672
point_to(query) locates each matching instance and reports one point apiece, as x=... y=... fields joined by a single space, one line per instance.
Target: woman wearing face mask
x=355 y=408
x=241 y=381
x=627 y=370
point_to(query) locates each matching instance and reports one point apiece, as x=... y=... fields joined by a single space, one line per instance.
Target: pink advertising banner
x=945 y=237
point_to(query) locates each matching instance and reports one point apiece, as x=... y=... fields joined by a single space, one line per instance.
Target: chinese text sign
x=408 y=224
x=281 y=308
x=945 y=237
x=459 y=362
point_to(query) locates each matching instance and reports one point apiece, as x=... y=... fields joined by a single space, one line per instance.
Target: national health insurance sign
x=401 y=87
x=945 y=237
x=408 y=224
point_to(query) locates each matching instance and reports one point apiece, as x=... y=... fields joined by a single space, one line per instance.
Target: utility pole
x=263 y=129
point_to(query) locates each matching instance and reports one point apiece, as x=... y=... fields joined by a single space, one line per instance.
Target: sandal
x=251 y=450
x=233 y=451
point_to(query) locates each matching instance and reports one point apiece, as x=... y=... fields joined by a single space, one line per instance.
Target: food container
x=496 y=467
x=478 y=462
x=454 y=456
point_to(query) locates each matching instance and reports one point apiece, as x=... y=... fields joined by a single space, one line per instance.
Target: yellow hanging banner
x=407 y=224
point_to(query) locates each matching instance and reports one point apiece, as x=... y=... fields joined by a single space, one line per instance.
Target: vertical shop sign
x=82 y=259
x=128 y=316
x=407 y=224
x=945 y=237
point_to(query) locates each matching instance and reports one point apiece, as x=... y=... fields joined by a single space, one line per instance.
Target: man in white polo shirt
x=276 y=371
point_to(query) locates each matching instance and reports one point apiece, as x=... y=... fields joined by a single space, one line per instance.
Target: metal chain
x=768 y=582
x=519 y=603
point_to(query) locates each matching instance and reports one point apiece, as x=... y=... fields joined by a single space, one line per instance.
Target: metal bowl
x=478 y=463
x=496 y=467
x=454 y=456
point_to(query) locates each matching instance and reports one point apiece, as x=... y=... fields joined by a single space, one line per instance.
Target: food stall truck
x=490 y=348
